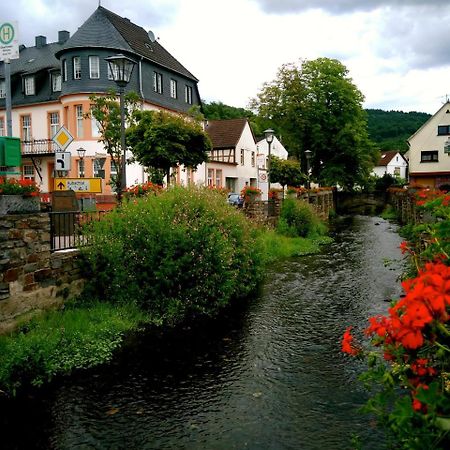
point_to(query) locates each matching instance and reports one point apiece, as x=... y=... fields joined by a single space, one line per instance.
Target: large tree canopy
x=162 y=140
x=315 y=106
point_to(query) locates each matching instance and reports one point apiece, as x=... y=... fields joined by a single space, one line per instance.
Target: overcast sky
x=397 y=51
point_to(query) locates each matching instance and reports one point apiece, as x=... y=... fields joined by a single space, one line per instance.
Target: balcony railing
x=38 y=147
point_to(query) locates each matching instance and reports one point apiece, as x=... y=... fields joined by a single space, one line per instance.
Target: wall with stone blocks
x=31 y=277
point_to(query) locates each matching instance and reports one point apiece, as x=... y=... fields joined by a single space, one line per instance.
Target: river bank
x=268 y=375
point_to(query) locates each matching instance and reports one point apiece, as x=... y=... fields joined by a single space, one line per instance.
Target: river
x=266 y=375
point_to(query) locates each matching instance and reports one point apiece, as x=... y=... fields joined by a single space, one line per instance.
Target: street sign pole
x=7 y=66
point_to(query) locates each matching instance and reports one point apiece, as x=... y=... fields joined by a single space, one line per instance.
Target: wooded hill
x=389 y=130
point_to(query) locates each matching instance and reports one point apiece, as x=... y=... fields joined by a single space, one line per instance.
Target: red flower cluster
x=426 y=301
x=142 y=189
x=348 y=343
x=13 y=186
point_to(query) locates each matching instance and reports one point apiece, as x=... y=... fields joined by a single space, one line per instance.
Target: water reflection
x=269 y=375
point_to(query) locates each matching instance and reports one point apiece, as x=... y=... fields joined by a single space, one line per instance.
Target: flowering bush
x=140 y=190
x=275 y=193
x=250 y=190
x=12 y=186
x=409 y=349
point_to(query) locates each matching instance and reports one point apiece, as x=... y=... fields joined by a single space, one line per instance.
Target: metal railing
x=38 y=147
x=68 y=228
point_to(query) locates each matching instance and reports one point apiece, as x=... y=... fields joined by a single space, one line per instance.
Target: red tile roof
x=225 y=133
x=386 y=157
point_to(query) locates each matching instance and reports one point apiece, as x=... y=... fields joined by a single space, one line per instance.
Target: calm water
x=268 y=376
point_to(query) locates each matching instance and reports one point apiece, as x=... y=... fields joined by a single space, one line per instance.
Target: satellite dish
x=151 y=36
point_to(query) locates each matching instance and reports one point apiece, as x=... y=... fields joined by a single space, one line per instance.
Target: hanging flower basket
x=251 y=194
x=18 y=196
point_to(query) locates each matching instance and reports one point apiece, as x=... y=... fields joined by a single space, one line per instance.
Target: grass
x=389 y=213
x=277 y=246
x=56 y=342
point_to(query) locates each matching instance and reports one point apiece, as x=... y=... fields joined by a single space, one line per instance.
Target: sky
x=397 y=51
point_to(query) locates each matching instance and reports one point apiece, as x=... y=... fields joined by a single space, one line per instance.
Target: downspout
x=141 y=88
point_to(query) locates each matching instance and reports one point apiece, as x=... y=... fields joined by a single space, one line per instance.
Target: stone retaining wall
x=31 y=277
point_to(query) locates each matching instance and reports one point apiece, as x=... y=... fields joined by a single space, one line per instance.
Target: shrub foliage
x=182 y=252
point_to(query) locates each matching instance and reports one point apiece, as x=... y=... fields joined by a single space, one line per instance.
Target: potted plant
x=251 y=193
x=18 y=196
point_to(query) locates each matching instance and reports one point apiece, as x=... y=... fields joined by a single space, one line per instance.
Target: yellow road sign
x=62 y=138
x=88 y=185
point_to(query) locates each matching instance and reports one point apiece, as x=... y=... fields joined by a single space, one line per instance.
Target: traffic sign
x=88 y=185
x=62 y=138
x=9 y=40
x=62 y=160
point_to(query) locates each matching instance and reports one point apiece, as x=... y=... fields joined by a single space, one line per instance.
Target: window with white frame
x=242 y=156
x=81 y=167
x=2 y=88
x=64 y=69
x=28 y=172
x=99 y=171
x=54 y=123
x=218 y=178
x=56 y=82
x=253 y=159
x=210 y=177
x=79 y=117
x=26 y=128
x=110 y=74
x=2 y=126
x=76 y=68
x=173 y=88
x=95 y=127
x=29 y=85
x=157 y=82
x=188 y=94
x=94 y=67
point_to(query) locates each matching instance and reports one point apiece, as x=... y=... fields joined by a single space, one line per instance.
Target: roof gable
x=444 y=106
x=226 y=133
x=387 y=157
x=108 y=30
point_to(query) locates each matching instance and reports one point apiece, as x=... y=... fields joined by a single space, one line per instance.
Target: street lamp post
x=308 y=154
x=269 y=139
x=121 y=68
x=81 y=152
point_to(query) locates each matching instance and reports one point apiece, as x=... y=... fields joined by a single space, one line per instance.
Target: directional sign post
x=62 y=161
x=88 y=185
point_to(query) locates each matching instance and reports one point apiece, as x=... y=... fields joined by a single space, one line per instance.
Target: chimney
x=40 y=41
x=63 y=36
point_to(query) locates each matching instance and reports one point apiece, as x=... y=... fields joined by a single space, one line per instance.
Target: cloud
x=338 y=6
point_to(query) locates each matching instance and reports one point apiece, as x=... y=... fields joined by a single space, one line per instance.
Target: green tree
x=285 y=172
x=316 y=106
x=105 y=109
x=161 y=140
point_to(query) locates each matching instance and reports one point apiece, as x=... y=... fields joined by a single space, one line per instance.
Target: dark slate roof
x=106 y=29
x=386 y=157
x=225 y=133
x=34 y=59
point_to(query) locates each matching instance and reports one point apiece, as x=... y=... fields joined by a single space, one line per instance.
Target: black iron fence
x=69 y=229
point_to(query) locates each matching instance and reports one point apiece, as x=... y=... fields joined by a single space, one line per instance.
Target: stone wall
x=268 y=212
x=31 y=277
x=404 y=202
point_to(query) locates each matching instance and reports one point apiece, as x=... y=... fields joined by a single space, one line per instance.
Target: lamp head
x=269 y=135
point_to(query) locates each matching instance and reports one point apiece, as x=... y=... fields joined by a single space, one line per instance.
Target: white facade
x=233 y=176
x=397 y=167
x=429 y=165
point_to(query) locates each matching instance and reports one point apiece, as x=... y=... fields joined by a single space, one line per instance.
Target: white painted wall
x=427 y=139
x=396 y=162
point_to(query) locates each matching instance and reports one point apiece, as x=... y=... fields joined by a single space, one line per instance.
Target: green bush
x=182 y=252
x=298 y=218
x=59 y=341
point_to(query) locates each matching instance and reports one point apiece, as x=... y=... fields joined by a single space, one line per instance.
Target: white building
x=391 y=163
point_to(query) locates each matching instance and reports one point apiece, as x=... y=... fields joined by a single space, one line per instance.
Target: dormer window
x=77 y=68
x=157 y=82
x=64 y=69
x=2 y=89
x=188 y=94
x=56 y=82
x=29 y=85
